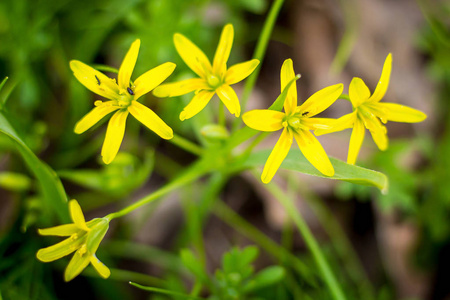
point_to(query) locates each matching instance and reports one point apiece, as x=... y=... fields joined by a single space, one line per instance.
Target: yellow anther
x=82 y=250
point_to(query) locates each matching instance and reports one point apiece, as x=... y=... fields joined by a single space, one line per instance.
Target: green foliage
x=236 y=279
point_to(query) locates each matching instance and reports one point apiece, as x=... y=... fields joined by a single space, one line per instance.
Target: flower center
x=213 y=81
x=293 y=122
x=124 y=99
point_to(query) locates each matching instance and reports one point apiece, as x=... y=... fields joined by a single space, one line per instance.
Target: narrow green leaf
x=104 y=68
x=51 y=187
x=163 y=291
x=295 y=161
x=3 y=83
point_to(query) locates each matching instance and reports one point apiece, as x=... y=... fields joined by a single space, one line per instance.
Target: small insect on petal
x=305 y=113
x=130 y=91
x=98 y=80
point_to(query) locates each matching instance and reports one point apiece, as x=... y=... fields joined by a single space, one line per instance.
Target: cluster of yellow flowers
x=297 y=122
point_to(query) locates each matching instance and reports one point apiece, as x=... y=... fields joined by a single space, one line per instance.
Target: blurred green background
x=393 y=246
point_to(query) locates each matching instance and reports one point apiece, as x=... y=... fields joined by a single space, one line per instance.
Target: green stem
x=344 y=97
x=163 y=291
x=310 y=241
x=221 y=120
x=194 y=172
x=349 y=9
x=339 y=239
x=186 y=145
x=260 y=51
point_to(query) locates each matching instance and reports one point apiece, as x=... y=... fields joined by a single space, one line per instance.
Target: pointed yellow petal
x=77 y=264
x=152 y=78
x=321 y=100
x=264 y=119
x=229 y=98
x=61 y=230
x=223 y=50
x=383 y=83
x=147 y=117
x=277 y=156
x=318 y=123
x=380 y=138
x=100 y=267
x=340 y=124
x=192 y=55
x=114 y=136
x=196 y=105
x=397 y=112
x=59 y=250
x=180 y=88
x=313 y=152
x=240 y=71
x=77 y=215
x=358 y=92
x=95 y=115
x=94 y=80
x=355 y=141
x=286 y=75
x=128 y=63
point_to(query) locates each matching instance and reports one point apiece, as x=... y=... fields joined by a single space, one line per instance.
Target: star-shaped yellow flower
x=214 y=79
x=296 y=122
x=84 y=238
x=122 y=99
x=368 y=112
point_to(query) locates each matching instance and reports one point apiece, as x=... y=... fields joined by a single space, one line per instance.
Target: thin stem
x=310 y=241
x=194 y=172
x=344 y=97
x=254 y=143
x=260 y=51
x=349 y=9
x=339 y=239
x=186 y=145
x=163 y=291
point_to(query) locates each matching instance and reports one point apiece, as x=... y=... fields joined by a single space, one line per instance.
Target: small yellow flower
x=122 y=99
x=296 y=122
x=368 y=112
x=84 y=238
x=215 y=79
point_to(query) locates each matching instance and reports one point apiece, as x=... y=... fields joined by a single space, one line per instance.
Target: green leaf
x=50 y=185
x=193 y=265
x=163 y=291
x=236 y=260
x=295 y=161
x=264 y=278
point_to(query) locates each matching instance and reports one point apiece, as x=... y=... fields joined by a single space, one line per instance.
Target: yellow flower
x=215 y=79
x=368 y=112
x=84 y=238
x=296 y=122
x=122 y=99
